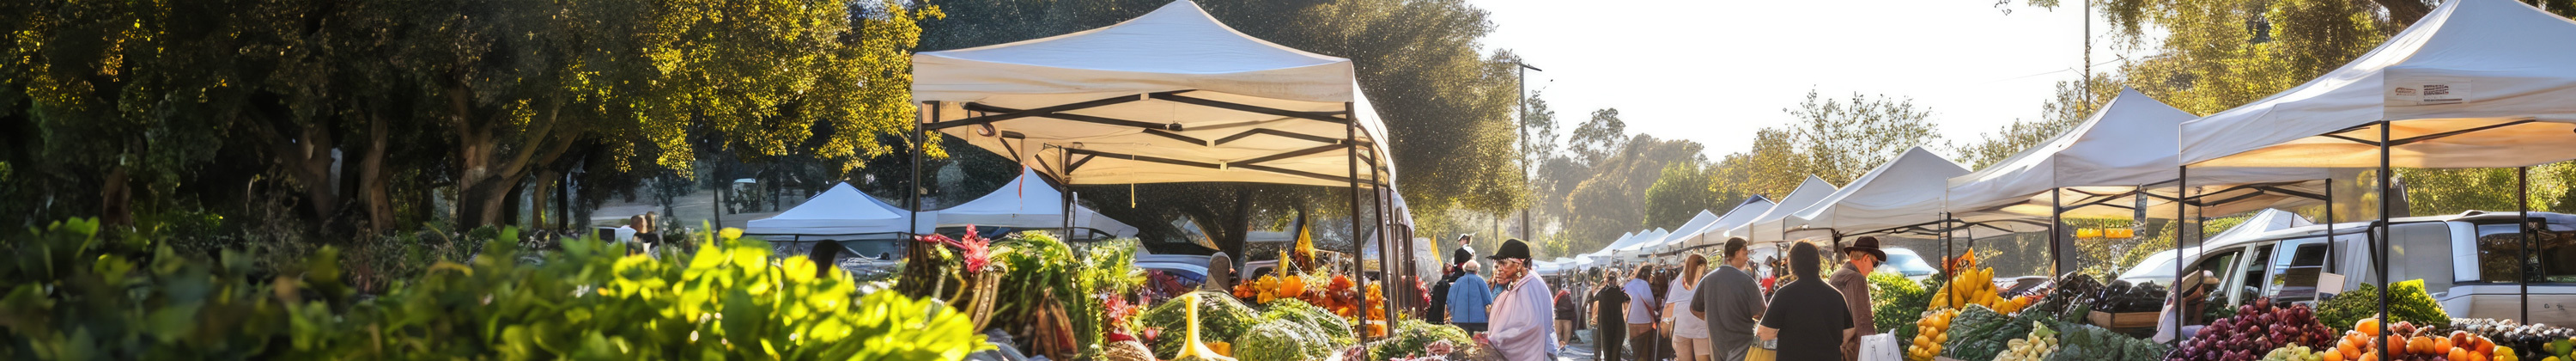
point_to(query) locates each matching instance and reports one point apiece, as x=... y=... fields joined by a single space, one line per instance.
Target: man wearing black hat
x=1520 y=321
x=1861 y=258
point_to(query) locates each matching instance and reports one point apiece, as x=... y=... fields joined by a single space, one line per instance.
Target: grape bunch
x=2255 y=329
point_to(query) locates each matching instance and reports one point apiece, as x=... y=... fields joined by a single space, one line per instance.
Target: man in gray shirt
x=1731 y=301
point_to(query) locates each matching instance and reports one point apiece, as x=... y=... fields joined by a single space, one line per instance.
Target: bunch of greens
x=2408 y=302
x=1985 y=340
x=1413 y=338
x=1896 y=302
x=1221 y=317
x=2082 y=342
x=1283 y=341
x=1324 y=322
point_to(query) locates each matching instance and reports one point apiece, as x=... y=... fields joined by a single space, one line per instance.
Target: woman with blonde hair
x=1690 y=333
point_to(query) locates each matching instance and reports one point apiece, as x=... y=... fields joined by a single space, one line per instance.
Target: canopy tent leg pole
x=1350 y=136
x=2522 y=225
x=912 y=199
x=1066 y=154
x=2182 y=200
x=2385 y=230
x=2330 y=226
x=2056 y=232
x=1385 y=246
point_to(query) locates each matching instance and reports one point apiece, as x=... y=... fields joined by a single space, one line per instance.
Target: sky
x=1716 y=71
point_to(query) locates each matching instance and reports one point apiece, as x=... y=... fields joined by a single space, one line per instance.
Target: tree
x=1599 y=138
x=1609 y=203
x=1682 y=191
x=1844 y=139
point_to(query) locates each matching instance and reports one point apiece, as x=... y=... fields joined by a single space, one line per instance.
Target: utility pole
x=1525 y=145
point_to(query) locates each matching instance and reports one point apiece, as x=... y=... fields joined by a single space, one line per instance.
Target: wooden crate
x=2122 y=320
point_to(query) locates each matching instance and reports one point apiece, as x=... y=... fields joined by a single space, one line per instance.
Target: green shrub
x=77 y=297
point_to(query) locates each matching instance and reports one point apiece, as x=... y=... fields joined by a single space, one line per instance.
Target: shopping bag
x=1880 y=347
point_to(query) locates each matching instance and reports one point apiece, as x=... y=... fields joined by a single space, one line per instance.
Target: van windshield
x=2553 y=254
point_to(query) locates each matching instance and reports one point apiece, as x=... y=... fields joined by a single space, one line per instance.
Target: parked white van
x=2465 y=260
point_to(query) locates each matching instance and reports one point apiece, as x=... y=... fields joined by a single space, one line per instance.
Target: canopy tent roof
x=1028 y=202
x=841 y=213
x=2270 y=219
x=1766 y=227
x=1701 y=220
x=2126 y=145
x=1715 y=232
x=1905 y=191
x=1171 y=96
x=2474 y=84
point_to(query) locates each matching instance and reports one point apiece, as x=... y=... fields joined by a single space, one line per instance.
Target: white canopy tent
x=1653 y=246
x=2474 y=84
x=1905 y=191
x=1171 y=96
x=1029 y=202
x=2094 y=168
x=841 y=213
x=1767 y=227
x=1715 y=232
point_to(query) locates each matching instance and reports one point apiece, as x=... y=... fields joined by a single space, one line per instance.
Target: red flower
x=976 y=250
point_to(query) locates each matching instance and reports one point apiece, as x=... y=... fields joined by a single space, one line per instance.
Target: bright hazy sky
x=1715 y=71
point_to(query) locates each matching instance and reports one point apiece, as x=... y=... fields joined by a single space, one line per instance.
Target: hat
x=1512 y=249
x=1461 y=255
x=1867 y=244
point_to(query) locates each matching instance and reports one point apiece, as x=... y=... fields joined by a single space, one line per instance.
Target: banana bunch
x=1974 y=286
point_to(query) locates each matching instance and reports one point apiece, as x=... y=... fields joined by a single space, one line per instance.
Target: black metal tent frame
x=1073 y=156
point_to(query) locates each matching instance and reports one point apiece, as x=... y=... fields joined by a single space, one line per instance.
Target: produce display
x=1972 y=285
x=2122 y=297
x=2082 y=342
x=1985 y=341
x=2416 y=344
x=1283 y=341
x=1323 y=322
x=1219 y=318
x=2408 y=303
x=1932 y=330
x=1302 y=278
x=2074 y=290
x=2256 y=329
x=2294 y=352
x=1190 y=349
x=2041 y=342
x=1415 y=338
x=1896 y=302
x=1974 y=324
x=2535 y=340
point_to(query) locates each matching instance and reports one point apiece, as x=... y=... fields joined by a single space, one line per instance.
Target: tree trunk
x=543 y=190
x=116 y=199
x=1236 y=234
x=373 y=192
x=486 y=176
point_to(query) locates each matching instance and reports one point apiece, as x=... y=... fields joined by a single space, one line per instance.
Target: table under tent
x=1029 y=202
x=841 y=219
x=2474 y=84
x=1171 y=96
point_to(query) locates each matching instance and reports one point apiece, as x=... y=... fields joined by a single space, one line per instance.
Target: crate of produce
x=2122 y=320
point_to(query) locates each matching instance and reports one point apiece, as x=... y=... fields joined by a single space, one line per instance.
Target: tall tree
x=1843 y=139
x=1680 y=192
x=1609 y=202
x=1599 y=138
x=2072 y=105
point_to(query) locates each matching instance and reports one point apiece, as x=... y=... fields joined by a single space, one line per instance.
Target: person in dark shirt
x=1807 y=315
x=1565 y=317
x=1610 y=311
x=1439 y=314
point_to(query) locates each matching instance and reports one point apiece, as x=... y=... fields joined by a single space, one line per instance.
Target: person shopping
x=1690 y=333
x=1469 y=297
x=1641 y=312
x=1566 y=317
x=1730 y=301
x=1807 y=315
x=1521 y=327
x=1610 y=316
x=1861 y=258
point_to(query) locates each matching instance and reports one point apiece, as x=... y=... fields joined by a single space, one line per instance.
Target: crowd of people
x=1691 y=310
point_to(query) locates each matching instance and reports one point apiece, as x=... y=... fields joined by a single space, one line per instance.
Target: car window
x=2294 y=272
x=2249 y=281
x=2219 y=265
x=2553 y=255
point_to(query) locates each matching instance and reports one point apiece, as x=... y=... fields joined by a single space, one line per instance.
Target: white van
x=2465 y=260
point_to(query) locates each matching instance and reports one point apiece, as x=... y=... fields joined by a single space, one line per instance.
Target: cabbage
x=1282 y=341
x=1221 y=317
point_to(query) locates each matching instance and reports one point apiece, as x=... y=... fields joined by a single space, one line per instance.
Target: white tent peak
x=1028 y=202
x=840 y=210
x=1142 y=45
x=1766 y=226
x=2477 y=66
x=1906 y=190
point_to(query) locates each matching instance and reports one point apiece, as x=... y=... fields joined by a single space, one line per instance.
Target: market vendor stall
x=841 y=213
x=1767 y=226
x=1028 y=202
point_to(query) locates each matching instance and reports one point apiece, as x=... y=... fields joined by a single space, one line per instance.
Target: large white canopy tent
x=2474 y=84
x=1715 y=233
x=1029 y=202
x=1651 y=247
x=842 y=213
x=2106 y=167
x=1905 y=191
x=1171 y=96
x=1767 y=226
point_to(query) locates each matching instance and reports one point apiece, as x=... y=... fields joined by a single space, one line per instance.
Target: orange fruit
x=2367 y=326
x=2442 y=345
x=2459 y=355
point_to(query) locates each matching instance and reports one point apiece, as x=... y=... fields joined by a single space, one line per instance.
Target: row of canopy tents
x=842 y=213
x=2477 y=83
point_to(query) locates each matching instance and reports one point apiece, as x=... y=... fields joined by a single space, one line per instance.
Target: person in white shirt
x=1520 y=321
x=1690 y=333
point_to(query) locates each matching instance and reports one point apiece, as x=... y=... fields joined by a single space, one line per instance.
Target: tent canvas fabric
x=2474 y=84
x=1715 y=232
x=2126 y=145
x=1028 y=202
x=1767 y=227
x=1171 y=96
x=841 y=213
x=1656 y=245
x=1905 y=191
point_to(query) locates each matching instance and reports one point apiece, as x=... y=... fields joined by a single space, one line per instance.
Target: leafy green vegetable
x=1896 y=302
x=2410 y=303
x=1221 y=317
x=1322 y=321
x=1282 y=341
x=1413 y=338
